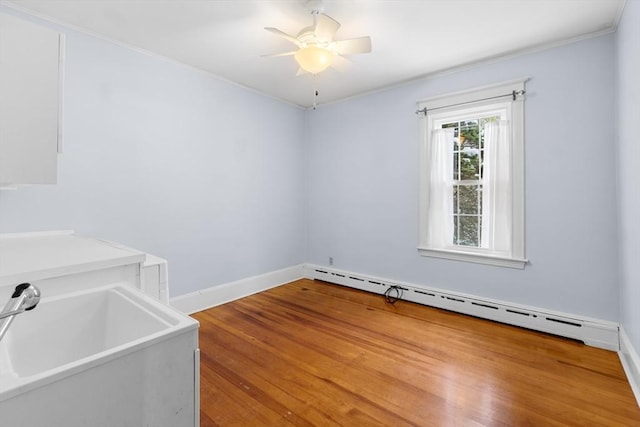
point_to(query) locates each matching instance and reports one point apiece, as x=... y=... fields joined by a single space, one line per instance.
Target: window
x=472 y=176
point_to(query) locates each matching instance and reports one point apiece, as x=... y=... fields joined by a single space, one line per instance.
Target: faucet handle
x=25 y=297
x=31 y=295
x=19 y=289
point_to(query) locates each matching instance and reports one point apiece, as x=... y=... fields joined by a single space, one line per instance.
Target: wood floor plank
x=314 y=354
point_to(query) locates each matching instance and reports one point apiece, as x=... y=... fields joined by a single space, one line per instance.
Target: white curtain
x=440 y=208
x=496 y=189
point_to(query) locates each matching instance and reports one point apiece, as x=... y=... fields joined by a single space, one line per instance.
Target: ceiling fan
x=317 y=50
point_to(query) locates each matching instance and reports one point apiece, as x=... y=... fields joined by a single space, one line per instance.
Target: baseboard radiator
x=593 y=332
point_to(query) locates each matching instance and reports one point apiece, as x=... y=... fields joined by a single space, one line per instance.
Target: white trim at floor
x=593 y=332
x=227 y=292
x=630 y=362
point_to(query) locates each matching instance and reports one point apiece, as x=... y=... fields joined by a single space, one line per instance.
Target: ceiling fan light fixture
x=314 y=59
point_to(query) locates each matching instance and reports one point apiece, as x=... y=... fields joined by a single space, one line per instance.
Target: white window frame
x=463 y=103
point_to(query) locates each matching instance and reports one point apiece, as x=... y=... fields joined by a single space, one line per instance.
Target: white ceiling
x=410 y=38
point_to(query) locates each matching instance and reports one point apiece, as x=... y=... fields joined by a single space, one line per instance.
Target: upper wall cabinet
x=31 y=58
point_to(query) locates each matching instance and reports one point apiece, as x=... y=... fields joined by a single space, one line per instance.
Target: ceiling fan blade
x=340 y=63
x=273 y=55
x=326 y=27
x=283 y=35
x=353 y=46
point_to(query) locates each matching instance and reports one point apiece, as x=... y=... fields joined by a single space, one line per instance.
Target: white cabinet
x=30 y=100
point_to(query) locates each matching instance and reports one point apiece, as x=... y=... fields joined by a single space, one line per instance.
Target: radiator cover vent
x=593 y=332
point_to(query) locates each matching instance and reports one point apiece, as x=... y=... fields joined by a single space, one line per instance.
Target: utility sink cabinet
x=31 y=71
x=102 y=348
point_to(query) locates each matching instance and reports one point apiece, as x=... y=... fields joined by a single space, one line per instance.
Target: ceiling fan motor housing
x=307 y=37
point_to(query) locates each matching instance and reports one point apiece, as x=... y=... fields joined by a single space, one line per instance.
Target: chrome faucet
x=25 y=297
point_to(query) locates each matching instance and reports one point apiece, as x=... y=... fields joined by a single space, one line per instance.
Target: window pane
x=468 y=231
x=470 y=164
x=456 y=219
x=455 y=198
x=456 y=169
x=470 y=134
x=468 y=199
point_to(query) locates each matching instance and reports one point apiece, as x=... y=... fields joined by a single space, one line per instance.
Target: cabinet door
x=30 y=83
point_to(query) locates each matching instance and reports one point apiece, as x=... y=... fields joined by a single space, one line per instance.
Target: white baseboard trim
x=593 y=332
x=630 y=362
x=227 y=292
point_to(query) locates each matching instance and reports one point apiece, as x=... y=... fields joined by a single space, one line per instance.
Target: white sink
x=101 y=334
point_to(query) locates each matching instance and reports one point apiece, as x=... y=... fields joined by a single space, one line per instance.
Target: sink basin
x=65 y=330
x=72 y=343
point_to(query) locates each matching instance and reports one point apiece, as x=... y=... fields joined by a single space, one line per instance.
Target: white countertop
x=35 y=256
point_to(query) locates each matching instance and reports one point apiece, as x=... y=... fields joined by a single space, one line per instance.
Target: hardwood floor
x=314 y=354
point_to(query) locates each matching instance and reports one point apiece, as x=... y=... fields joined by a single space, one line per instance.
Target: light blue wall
x=628 y=168
x=174 y=162
x=227 y=184
x=363 y=183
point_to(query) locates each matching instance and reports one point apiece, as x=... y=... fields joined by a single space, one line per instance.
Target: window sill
x=475 y=257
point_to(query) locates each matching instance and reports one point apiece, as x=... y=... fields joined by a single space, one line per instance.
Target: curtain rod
x=514 y=94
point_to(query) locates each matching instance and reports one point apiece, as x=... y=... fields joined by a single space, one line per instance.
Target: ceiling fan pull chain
x=315 y=92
